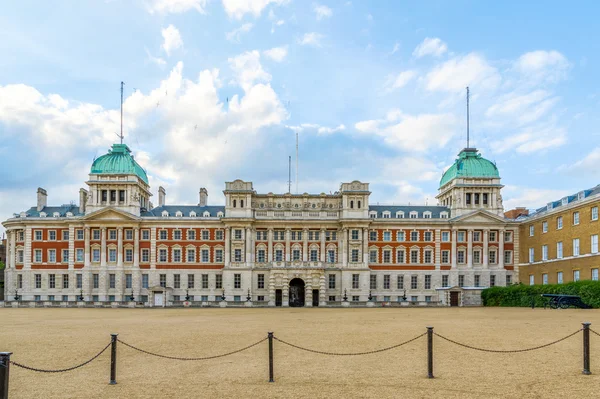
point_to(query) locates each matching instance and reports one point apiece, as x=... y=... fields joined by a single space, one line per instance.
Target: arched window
x=241 y=203
x=351 y=204
x=358 y=204
x=234 y=203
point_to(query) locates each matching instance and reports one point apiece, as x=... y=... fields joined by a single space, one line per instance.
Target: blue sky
x=375 y=91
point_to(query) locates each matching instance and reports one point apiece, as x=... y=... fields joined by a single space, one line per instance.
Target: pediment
x=479 y=217
x=110 y=213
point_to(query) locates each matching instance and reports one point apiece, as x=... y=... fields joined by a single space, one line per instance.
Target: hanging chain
x=351 y=354
x=191 y=358
x=61 y=370
x=507 y=351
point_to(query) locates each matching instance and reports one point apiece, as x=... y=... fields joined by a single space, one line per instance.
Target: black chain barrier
x=598 y=334
x=351 y=354
x=507 y=351
x=60 y=370
x=192 y=358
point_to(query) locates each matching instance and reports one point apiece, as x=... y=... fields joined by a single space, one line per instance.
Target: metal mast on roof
x=121 y=135
x=296 y=162
x=467 y=116
x=290 y=174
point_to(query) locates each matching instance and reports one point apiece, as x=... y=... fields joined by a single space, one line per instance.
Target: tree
x=2 y=265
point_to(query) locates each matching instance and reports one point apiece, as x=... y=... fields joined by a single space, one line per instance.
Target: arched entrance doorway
x=297 y=292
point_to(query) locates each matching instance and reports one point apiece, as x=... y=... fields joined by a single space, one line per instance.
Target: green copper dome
x=118 y=161
x=470 y=164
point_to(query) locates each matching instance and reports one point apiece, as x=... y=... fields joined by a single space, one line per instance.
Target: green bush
x=523 y=295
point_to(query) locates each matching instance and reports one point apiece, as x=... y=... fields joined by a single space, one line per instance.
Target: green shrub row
x=523 y=295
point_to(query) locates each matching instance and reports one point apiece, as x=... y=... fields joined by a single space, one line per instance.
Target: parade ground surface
x=57 y=338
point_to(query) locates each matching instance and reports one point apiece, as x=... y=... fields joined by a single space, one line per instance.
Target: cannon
x=560 y=301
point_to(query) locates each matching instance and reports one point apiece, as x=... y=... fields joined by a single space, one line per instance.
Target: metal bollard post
x=270 y=335
x=586 y=348
x=4 y=372
x=113 y=359
x=429 y=352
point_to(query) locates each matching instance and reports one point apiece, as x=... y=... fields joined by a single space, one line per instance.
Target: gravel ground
x=58 y=338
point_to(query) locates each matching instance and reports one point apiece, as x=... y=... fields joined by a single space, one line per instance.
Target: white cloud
x=248 y=69
x=400 y=80
x=176 y=6
x=533 y=138
x=588 y=165
x=155 y=60
x=430 y=46
x=235 y=35
x=413 y=133
x=523 y=108
x=238 y=8
x=172 y=39
x=322 y=11
x=531 y=198
x=457 y=73
x=311 y=39
x=395 y=49
x=543 y=65
x=277 y=54
x=321 y=130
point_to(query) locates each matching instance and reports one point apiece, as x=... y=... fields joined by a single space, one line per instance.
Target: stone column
x=323 y=246
x=103 y=248
x=270 y=245
x=345 y=248
x=308 y=292
x=248 y=258
x=485 y=248
x=86 y=249
x=28 y=254
x=271 y=290
x=227 y=246
x=453 y=256
x=365 y=251
x=288 y=256
x=470 y=248
x=120 y=247
x=305 y=245
x=11 y=253
x=500 y=255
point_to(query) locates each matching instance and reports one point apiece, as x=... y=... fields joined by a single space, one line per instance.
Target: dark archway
x=296 y=296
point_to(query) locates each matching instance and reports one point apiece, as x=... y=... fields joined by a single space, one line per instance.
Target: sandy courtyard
x=55 y=338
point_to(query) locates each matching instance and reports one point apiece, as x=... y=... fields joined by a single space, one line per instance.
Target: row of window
x=559 y=276
x=559 y=249
x=559 y=221
x=411 y=215
x=192 y=214
x=112 y=235
x=415 y=256
x=295 y=235
x=461 y=236
x=414 y=281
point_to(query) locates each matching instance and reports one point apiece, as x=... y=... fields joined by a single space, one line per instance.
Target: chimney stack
x=161 y=196
x=83 y=195
x=203 y=196
x=42 y=198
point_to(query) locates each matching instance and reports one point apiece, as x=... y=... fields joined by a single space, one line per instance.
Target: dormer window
x=400 y=215
x=56 y=215
x=565 y=201
x=581 y=195
x=444 y=215
x=427 y=215
x=386 y=214
x=42 y=214
x=549 y=206
x=373 y=215
x=206 y=214
x=220 y=214
x=192 y=214
x=414 y=214
x=69 y=214
x=178 y=214
x=165 y=214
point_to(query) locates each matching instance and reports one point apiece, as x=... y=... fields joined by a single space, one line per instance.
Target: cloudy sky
x=217 y=89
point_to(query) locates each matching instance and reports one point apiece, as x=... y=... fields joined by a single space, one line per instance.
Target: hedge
x=523 y=295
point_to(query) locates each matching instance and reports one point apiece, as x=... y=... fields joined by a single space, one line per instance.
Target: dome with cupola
x=470 y=163
x=118 y=161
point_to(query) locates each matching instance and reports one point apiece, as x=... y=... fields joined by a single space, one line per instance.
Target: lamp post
x=81 y=296
x=17 y=296
x=370 y=296
x=404 y=296
x=345 y=295
x=248 y=298
x=187 y=295
x=223 y=295
x=132 y=298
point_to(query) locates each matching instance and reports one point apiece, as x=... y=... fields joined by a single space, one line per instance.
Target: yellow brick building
x=559 y=242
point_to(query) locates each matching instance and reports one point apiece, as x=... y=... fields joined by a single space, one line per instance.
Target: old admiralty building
x=273 y=249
